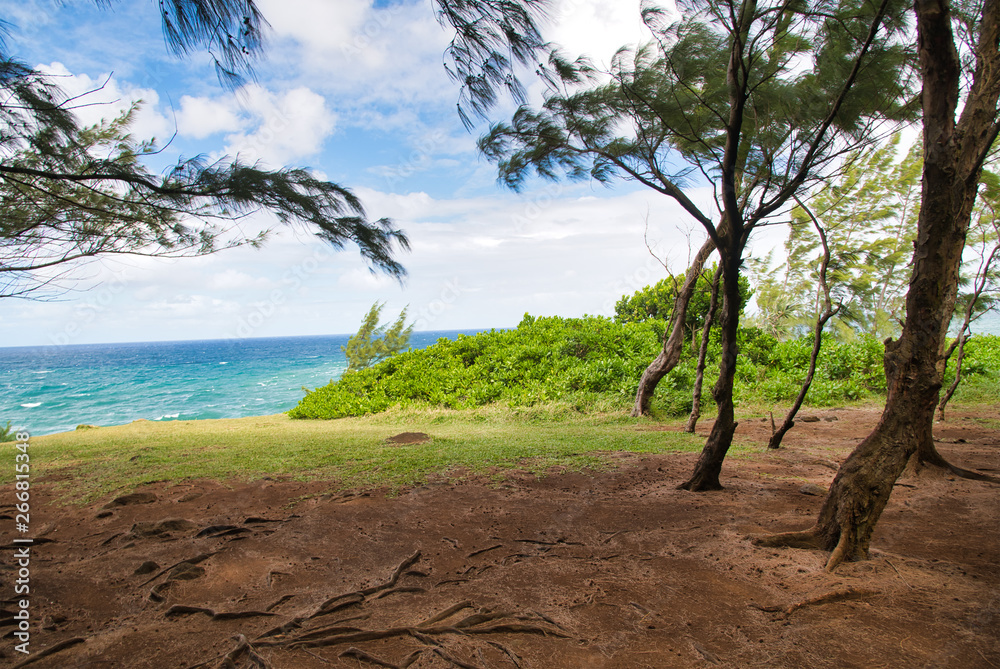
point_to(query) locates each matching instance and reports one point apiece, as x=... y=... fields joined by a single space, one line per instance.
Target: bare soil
x=602 y=569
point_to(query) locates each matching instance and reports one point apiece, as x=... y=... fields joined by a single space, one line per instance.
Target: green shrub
x=594 y=364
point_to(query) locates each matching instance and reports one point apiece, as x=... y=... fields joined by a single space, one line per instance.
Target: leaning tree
x=759 y=99
x=955 y=148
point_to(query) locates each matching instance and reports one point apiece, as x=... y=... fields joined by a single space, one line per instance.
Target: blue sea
x=48 y=389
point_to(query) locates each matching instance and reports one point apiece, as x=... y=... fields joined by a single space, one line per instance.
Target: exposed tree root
x=447 y=613
x=799 y=539
x=808 y=539
x=931 y=458
x=181 y=610
x=483 y=550
x=195 y=560
x=243 y=647
x=297 y=635
x=359 y=596
x=825 y=598
x=362 y=656
x=511 y=655
x=51 y=650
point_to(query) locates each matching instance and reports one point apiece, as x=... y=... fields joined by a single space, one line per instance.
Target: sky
x=356 y=92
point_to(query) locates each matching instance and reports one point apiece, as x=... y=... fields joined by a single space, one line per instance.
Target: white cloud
x=233 y=279
x=596 y=28
x=363 y=55
x=288 y=126
x=201 y=117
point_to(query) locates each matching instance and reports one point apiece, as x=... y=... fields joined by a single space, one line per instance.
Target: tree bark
x=953 y=157
x=673 y=339
x=699 y=376
x=709 y=465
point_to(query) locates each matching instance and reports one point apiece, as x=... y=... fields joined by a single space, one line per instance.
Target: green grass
x=349 y=452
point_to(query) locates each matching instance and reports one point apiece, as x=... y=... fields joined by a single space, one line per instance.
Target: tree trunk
x=963 y=336
x=829 y=311
x=699 y=376
x=953 y=157
x=789 y=422
x=673 y=339
x=709 y=465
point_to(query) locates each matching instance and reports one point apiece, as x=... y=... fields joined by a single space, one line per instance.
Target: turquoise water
x=50 y=389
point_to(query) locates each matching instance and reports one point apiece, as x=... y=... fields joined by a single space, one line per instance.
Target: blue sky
x=357 y=93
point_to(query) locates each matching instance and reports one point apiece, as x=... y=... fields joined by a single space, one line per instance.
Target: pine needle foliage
x=71 y=193
x=373 y=343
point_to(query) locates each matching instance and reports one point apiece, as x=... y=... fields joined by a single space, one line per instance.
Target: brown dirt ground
x=609 y=569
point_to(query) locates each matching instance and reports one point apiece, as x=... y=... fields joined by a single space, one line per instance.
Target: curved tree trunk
x=829 y=311
x=673 y=339
x=953 y=157
x=699 y=377
x=709 y=465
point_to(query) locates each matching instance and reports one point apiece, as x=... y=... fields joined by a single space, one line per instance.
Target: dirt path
x=618 y=569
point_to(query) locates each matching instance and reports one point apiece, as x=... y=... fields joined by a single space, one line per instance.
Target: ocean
x=50 y=389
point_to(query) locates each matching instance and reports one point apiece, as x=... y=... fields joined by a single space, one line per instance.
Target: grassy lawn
x=350 y=452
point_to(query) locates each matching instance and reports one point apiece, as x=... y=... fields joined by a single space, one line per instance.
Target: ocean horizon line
x=53 y=345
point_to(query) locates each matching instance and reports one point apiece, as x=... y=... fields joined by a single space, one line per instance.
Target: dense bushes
x=594 y=363
x=583 y=360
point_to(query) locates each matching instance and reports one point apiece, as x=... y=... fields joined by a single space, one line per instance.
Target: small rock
x=104 y=514
x=186 y=571
x=809 y=419
x=813 y=489
x=134 y=498
x=830 y=419
x=190 y=496
x=147 y=567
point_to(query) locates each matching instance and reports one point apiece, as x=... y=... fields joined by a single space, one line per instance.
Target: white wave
x=169 y=415
x=223 y=363
x=32 y=405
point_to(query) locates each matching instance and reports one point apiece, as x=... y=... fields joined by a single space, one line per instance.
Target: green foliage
x=71 y=193
x=585 y=361
x=7 y=433
x=657 y=301
x=593 y=364
x=979 y=287
x=982 y=357
x=869 y=216
x=373 y=344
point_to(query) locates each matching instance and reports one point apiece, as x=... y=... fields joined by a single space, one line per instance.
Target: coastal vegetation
x=373 y=343
x=593 y=364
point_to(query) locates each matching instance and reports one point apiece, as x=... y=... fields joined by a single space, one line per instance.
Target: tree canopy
x=70 y=193
x=758 y=99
